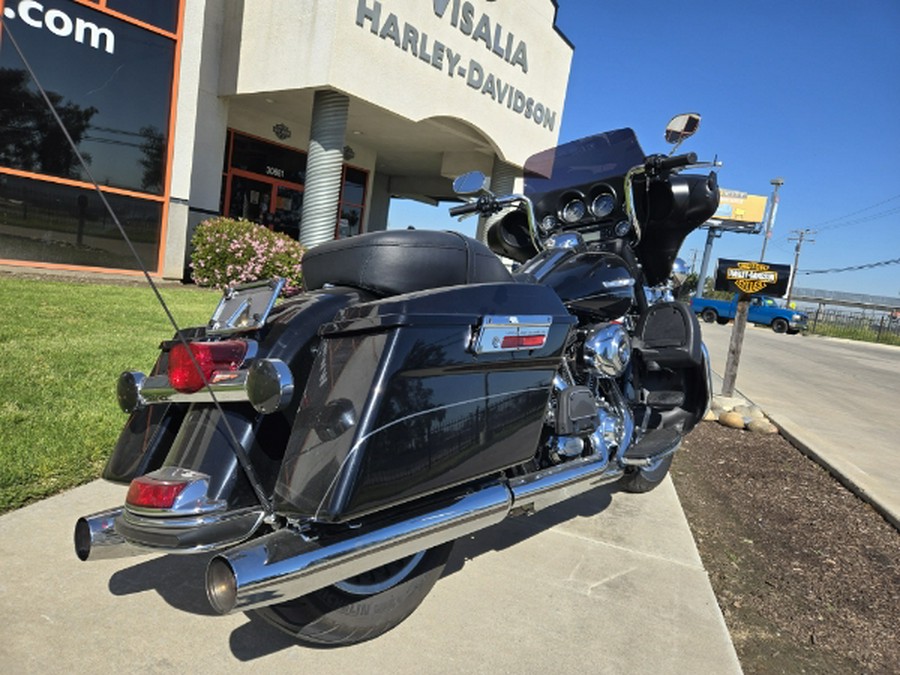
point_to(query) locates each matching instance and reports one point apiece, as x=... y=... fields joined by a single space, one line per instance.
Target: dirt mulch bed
x=807 y=575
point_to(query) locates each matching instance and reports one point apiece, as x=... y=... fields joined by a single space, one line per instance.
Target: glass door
x=288 y=211
x=249 y=199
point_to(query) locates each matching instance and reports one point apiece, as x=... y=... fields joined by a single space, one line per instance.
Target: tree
x=30 y=137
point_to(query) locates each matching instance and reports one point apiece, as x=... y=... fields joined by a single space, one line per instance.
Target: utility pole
x=694 y=253
x=800 y=238
x=712 y=234
x=770 y=221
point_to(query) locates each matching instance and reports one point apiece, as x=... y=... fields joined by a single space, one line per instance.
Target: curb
x=784 y=428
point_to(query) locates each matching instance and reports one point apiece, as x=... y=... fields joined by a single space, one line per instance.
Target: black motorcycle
x=331 y=447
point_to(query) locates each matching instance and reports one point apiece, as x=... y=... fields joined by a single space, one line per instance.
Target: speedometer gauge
x=573 y=211
x=603 y=205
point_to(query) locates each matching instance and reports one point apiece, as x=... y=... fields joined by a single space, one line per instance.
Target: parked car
x=764 y=311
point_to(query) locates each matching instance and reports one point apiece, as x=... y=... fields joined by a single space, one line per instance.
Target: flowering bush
x=228 y=252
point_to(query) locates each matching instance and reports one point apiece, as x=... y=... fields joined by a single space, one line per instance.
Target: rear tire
x=709 y=315
x=644 y=479
x=363 y=607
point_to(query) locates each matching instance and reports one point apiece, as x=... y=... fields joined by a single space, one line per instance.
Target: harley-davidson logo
x=751 y=277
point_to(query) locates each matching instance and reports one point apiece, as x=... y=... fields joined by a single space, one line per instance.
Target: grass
x=62 y=347
x=856 y=332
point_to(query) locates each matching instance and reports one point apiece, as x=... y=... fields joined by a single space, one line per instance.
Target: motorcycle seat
x=402 y=261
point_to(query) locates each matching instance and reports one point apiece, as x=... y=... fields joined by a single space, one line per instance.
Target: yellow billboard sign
x=740 y=207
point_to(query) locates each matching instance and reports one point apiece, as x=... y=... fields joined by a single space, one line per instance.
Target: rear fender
x=195 y=436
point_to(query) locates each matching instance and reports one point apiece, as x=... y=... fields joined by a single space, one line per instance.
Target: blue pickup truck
x=763 y=310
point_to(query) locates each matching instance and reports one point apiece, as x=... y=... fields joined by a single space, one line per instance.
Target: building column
x=322 y=190
x=503 y=181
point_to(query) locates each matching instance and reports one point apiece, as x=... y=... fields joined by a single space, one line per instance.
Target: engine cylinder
x=607 y=349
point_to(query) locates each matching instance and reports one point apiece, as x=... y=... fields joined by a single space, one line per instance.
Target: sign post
x=746 y=279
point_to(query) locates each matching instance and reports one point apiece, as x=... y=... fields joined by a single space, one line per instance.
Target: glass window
x=353 y=198
x=68 y=225
x=160 y=13
x=268 y=159
x=350 y=221
x=354 y=186
x=110 y=82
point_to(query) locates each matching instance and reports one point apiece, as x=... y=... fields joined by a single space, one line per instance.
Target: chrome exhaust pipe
x=96 y=537
x=285 y=565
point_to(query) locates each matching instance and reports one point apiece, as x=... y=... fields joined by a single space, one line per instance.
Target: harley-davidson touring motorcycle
x=327 y=449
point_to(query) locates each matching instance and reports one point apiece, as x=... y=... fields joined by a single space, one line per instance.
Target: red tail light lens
x=210 y=356
x=523 y=341
x=153 y=493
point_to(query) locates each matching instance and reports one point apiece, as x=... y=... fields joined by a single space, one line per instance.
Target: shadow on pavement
x=180 y=579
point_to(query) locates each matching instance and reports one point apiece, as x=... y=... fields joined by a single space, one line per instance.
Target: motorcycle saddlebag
x=405 y=400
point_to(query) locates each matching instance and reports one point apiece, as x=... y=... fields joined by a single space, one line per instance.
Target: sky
x=805 y=90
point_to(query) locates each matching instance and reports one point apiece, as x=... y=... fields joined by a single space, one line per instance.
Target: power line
x=829 y=223
x=854 y=268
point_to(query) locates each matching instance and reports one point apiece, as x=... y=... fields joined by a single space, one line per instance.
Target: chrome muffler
x=285 y=565
x=96 y=537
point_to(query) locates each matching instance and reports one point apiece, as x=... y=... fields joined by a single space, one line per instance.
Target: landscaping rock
x=743 y=410
x=732 y=419
x=757 y=413
x=762 y=426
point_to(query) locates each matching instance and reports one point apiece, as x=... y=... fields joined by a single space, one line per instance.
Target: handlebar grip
x=464 y=209
x=675 y=162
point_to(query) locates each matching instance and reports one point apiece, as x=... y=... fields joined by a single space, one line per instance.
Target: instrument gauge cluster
x=596 y=209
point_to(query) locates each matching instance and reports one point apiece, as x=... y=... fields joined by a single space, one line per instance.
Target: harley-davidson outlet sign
x=751 y=278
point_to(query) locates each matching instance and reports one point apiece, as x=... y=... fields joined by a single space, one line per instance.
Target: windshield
x=586 y=160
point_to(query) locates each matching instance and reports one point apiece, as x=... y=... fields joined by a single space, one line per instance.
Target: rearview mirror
x=470 y=183
x=682 y=127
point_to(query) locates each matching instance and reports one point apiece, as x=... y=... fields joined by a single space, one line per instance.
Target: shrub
x=228 y=252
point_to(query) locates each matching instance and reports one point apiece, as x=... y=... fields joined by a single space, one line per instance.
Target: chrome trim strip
x=188 y=535
x=269 y=379
x=163 y=524
x=488 y=337
x=157 y=389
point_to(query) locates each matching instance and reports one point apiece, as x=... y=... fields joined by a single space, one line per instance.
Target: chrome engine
x=587 y=414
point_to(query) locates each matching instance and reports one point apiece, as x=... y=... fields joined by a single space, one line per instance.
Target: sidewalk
x=608 y=582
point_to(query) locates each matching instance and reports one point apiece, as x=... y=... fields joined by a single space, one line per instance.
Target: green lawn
x=62 y=347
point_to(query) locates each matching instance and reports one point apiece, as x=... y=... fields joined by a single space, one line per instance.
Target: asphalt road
x=839 y=397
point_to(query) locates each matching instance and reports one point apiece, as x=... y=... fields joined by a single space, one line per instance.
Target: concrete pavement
x=605 y=583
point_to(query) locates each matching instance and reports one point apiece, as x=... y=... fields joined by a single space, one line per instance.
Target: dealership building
x=306 y=116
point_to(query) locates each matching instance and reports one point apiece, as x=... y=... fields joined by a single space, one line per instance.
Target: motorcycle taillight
x=152 y=493
x=184 y=376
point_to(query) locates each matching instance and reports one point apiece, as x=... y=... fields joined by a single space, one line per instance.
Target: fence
x=879 y=327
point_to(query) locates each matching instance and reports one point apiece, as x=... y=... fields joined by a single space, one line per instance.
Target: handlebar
x=662 y=163
x=471 y=207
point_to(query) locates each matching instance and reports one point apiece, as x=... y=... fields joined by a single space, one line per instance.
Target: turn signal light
x=153 y=493
x=184 y=376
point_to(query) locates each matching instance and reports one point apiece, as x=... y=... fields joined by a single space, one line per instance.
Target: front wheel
x=362 y=607
x=780 y=326
x=645 y=478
